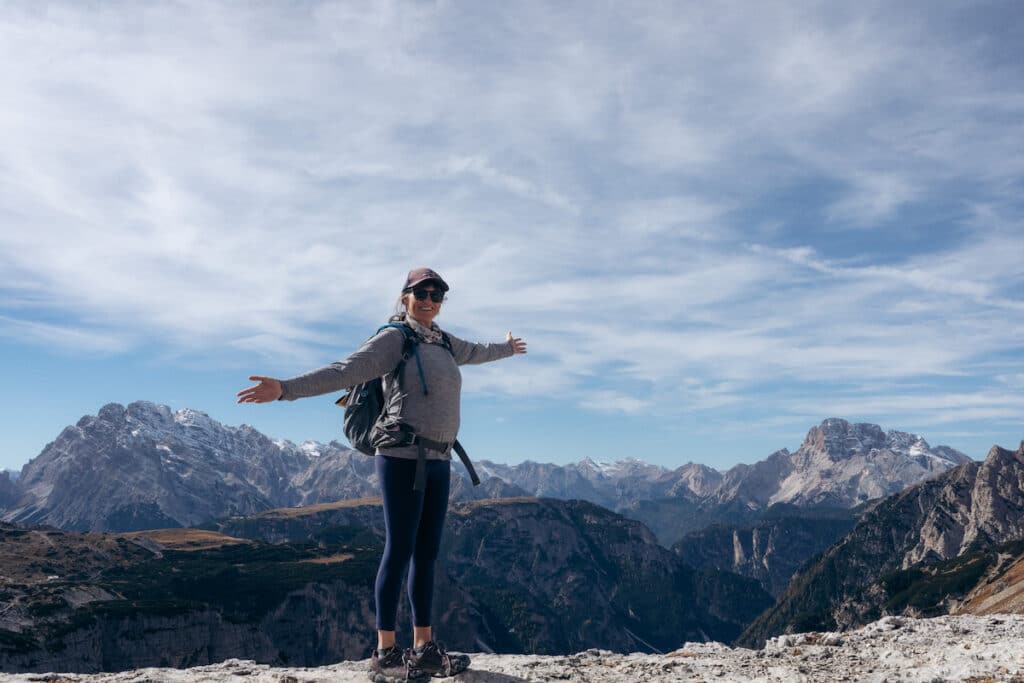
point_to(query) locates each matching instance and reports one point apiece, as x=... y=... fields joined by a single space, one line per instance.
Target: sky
x=716 y=224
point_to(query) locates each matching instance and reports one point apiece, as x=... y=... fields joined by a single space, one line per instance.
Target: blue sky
x=716 y=224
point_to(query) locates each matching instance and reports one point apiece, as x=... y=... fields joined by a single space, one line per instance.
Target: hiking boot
x=393 y=667
x=432 y=657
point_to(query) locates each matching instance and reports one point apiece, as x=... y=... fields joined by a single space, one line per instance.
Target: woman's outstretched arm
x=470 y=353
x=375 y=358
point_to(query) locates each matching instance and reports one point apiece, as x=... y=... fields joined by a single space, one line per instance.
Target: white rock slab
x=959 y=648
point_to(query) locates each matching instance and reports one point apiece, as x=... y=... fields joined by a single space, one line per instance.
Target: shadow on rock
x=483 y=676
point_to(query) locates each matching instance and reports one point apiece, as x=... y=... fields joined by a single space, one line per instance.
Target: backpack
x=365 y=424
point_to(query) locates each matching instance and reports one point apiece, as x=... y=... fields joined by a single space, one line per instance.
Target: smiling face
x=426 y=310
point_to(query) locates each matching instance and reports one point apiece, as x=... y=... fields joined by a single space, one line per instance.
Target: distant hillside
x=770 y=551
x=538 y=544
x=518 y=575
x=890 y=562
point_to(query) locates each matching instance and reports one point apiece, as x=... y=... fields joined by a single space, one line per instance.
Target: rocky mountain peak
x=138 y=414
x=840 y=439
x=144 y=465
x=147 y=413
x=1004 y=457
x=157 y=417
x=112 y=412
x=699 y=479
x=840 y=464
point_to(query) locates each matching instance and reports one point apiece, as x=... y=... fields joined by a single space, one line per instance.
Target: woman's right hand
x=268 y=389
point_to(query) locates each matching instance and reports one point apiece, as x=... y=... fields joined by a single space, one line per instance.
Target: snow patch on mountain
x=313 y=449
x=622 y=468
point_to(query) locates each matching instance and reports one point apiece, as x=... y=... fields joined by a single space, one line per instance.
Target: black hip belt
x=423 y=443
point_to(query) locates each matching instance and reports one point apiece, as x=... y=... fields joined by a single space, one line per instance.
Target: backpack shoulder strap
x=411 y=348
x=411 y=340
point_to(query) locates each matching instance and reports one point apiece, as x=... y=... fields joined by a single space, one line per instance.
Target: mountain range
x=144 y=466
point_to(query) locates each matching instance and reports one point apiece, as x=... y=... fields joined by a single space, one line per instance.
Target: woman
x=414 y=519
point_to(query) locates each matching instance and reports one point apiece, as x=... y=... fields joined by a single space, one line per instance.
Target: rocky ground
x=961 y=648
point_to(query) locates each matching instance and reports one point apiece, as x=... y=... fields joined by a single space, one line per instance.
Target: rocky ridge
x=977 y=649
x=969 y=509
x=615 y=485
x=840 y=465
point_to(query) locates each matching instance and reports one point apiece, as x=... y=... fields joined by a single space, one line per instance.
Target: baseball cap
x=417 y=276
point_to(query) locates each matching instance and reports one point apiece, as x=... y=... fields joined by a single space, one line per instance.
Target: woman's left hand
x=518 y=345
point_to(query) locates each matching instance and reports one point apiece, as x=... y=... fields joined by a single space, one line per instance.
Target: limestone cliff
x=771 y=551
x=969 y=509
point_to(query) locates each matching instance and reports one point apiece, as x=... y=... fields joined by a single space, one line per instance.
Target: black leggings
x=413 y=521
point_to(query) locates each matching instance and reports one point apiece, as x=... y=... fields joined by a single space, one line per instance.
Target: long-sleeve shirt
x=434 y=415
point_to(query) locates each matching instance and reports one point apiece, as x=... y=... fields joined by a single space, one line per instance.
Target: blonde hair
x=400 y=309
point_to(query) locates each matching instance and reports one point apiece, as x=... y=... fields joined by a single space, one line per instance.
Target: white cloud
x=482 y=169
x=673 y=218
x=924 y=408
x=60 y=337
x=259 y=179
x=874 y=197
x=613 y=402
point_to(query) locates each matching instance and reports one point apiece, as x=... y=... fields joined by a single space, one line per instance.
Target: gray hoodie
x=435 y=415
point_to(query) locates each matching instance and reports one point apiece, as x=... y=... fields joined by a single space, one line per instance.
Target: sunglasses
x=436 y=295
